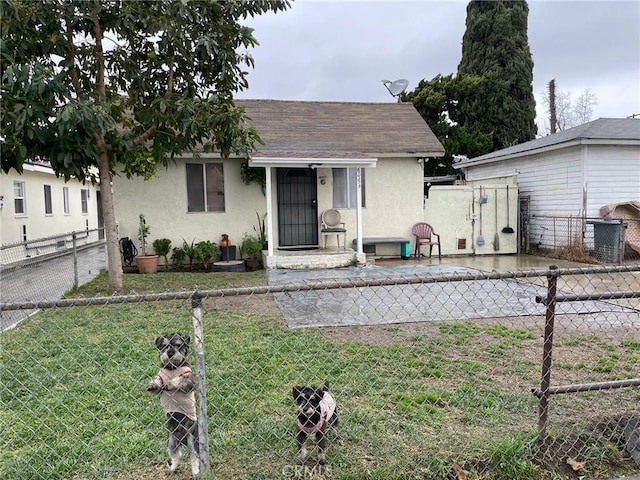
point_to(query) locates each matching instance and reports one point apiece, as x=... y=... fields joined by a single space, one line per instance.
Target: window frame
x=66 y=205
x=20 y=199
x=48 y=200
x=345 y=189
x=84 y=200
x=200 y=192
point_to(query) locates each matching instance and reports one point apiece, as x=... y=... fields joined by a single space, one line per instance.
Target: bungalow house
x=570 y=174
x=38 y=204
x=363 y=159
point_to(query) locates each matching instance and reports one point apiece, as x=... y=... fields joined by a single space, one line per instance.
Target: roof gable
x=340 y=129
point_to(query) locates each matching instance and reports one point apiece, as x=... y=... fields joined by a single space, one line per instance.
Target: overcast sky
x=342 y=50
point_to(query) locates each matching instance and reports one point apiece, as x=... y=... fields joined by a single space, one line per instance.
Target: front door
x=297 y=208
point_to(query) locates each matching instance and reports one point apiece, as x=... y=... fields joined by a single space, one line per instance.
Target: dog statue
x=317 y=413
x=175 y=383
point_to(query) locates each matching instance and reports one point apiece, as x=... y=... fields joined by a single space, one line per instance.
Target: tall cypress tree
x=495 y=45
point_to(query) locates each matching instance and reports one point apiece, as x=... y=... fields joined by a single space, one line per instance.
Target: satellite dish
x=396 y=87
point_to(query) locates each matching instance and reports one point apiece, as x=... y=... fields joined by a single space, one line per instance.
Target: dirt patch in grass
x=582 y=423
x=246 y=304
x=408 y=333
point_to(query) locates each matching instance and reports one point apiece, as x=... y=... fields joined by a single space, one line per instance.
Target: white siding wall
x=569 y=182
x=553 y=180
x=613 y=175
x=38 y=223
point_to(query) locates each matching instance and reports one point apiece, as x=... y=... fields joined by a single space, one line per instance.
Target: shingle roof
x=600 y=130
x=340 y=129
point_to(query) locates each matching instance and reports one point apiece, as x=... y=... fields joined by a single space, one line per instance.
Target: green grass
x=73 y=403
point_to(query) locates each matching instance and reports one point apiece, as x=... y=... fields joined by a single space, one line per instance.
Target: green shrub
x=205 y=252
x=162 y=247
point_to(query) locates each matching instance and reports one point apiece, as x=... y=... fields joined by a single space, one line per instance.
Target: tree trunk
x=110 y=228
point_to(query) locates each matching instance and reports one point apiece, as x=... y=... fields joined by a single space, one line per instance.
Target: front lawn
x=412 y=402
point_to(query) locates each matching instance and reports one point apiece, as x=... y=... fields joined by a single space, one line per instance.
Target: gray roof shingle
x=602 y=129
x=300 y=129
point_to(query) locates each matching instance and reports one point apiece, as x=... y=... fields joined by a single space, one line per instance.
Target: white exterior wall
x=163 y=201
x=37 y=223
x=553 y=180
x=454 y=213
x=393 y=204
x=571 y=182
x=612 y=175
x=394 y=190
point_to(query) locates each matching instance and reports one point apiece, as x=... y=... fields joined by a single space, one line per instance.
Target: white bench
x=404 y=242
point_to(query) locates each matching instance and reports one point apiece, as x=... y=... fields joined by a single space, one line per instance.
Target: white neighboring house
x=572 y=173
x=37 y=204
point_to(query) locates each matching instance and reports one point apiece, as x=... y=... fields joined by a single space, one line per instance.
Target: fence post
x=547 y=347
x=198 y=348
x=75 y=260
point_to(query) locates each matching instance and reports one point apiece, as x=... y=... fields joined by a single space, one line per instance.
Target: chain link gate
x=432 y=374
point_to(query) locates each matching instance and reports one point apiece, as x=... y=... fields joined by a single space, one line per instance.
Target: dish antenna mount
x=396 y=87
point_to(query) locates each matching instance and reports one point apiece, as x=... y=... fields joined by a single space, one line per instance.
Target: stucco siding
x=36 y=222
x=163 y=201
x=454 y=213
x=393 y=193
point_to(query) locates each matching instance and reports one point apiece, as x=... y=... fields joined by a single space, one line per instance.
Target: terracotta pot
x=251 y=261
x=224 y=243
x=147 y=263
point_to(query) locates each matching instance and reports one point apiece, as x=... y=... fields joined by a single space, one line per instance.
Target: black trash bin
x=608 y=239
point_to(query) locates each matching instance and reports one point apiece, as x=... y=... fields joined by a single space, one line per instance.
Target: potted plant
x=162 y=246
x=252 y=174
x=262 y=230
x=251 y=250
x=145 y=263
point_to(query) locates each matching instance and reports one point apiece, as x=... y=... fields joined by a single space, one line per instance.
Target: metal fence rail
x=607 y=241
x=431 y=372
x=46 y=268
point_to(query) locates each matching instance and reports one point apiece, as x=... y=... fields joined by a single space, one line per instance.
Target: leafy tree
x=437 y=101
x=495 y=46
x=99 y=86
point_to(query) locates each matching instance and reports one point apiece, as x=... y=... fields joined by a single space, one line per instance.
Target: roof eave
x=307 y=162
x=425 y=154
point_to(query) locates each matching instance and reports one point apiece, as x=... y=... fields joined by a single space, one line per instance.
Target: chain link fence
x=437 y=373
x=591 y=240
x=47 y=268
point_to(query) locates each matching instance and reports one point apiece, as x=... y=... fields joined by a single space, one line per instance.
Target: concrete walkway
x=425 y=302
